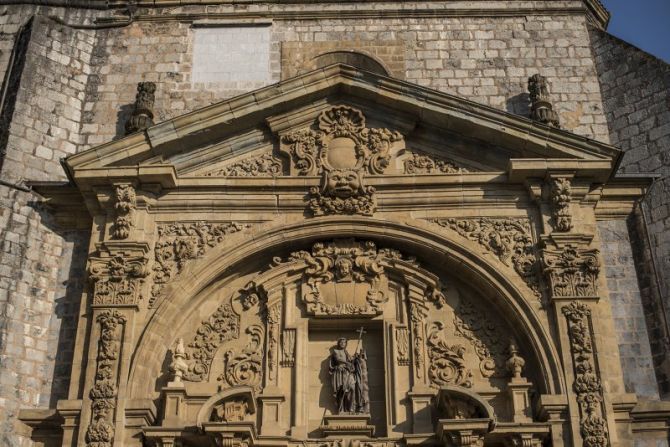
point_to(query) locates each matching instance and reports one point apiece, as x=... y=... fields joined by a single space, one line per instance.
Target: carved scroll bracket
x=118 y=273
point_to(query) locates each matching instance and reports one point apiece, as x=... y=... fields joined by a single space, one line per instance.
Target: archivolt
x=412 y=237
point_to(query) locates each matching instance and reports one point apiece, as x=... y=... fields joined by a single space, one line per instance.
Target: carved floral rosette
x=572 y=271
x=181 y=242
x=509 y=239
x=117 y=279
x=100 y=432
x=342 y=150
x=587 y=384
x=342 y=262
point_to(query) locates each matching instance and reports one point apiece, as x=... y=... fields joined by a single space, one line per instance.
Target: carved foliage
x=510 y=240
x=341 y=149
x=339 y=262
x=288 y=348
x=100 y=432
x=481 y=331
x=246 y=367
x=572 y=272
x=561 y=196
x=125 y=203
x=587 y=384
x=447 y=364
x=402 y=345
x=422 y=163
x=222 y=326
x=265 y=165
x=179 y=243
x=117 y=279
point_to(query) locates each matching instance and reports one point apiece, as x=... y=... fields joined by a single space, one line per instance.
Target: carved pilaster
x=100 y=432
x=587 y=385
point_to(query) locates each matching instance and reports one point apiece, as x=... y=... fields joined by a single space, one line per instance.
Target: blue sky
x=644 y=23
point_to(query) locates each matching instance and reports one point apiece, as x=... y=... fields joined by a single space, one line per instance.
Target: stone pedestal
x=175 y=404
x=463 y=432
x=422 y=404
x=519 y=398
x=339 y=425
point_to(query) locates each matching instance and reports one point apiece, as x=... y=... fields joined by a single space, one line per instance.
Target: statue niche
x=349 y=379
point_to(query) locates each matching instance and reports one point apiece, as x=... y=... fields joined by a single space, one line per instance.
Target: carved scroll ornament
x=342 y=150
x=178 y=243
x=510 y=240
x=475 y=326
x=587 y=384
x=117 y=279
x=572 y=272
x=447 y=364
x=343 y=262
x=245 y=368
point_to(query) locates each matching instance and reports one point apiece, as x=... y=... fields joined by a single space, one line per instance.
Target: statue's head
x=343 y=183
x=341 y=342
x=343 y=268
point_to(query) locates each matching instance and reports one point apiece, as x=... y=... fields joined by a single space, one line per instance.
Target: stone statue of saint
x=349 y=378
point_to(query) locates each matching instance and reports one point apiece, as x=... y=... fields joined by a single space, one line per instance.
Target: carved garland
x=100 y=432
x=587 y=385
x=265 y=165
x=117 y=279
x=125 y=203
x=475 y=326
x=572 y=272
x=447 y=364
x=510 y=240
x=178 y=243
x=561 y=196
x=422 y=163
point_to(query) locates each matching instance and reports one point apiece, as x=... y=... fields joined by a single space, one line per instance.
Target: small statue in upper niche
x=349 y=379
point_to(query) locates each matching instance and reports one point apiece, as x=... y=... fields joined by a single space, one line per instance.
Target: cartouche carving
x=561 y=196
x=423 y=163
x=117 y=279
x=344 y=261
x=246 y=367
x=178 y=243
x=509 y=239
x=125 y=203
x=572 y=272
x=587 y=384
x=342 y=150
x=265 y=165
x=447 y=365
x=475 y=326
x=222 y=326
x=100 y=432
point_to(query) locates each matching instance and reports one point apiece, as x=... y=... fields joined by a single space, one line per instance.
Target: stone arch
x=354 y=58
x=414 y=237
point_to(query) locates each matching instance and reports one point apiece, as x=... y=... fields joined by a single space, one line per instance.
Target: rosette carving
x=587 y=384
x=572 y=272
x=447 y=364
x=181 y=242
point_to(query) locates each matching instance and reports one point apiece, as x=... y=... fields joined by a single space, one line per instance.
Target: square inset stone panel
x=231 y=54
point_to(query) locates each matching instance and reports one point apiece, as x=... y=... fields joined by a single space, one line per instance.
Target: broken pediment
x=248 y=136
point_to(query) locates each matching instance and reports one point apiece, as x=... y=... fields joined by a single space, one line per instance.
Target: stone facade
x=71 y=75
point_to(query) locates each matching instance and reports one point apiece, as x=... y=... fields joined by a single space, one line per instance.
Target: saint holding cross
x=349 y=378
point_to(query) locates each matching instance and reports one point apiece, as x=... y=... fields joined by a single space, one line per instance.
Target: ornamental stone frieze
x=118 y=273
x=560 y=193
x=572 y=271
x=424 y=163
x=341 y=149
x=181 y=242
x=509 y=239
x=265 y=165
x=587 y=384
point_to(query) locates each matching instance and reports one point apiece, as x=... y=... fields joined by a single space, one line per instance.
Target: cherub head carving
x=343 y=183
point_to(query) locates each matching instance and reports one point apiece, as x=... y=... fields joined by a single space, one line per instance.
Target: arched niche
x=443 y=253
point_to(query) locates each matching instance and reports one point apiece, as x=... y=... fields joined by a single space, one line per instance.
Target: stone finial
x=541 y=108
x=143 y=115
x=515 y=363
x=178 y=366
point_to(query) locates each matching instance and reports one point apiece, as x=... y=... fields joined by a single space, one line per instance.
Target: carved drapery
x=475 y=326
x=117 y=279
x=572 y=271
x=100 y=432
x=264 y=165
x=222 y=326
x=587 y=384
x=180 y=242
x=288 y=347
x=245 y=368
x=125 y=203
x=342 y=262
x=423 y=163
x=509 y=239
x=560 y=191
x=341 y=149
x=447 y=364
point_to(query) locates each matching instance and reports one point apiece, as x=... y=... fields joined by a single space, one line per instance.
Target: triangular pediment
x=441 y=133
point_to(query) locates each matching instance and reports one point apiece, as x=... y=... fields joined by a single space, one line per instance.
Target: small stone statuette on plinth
x=178 y=367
